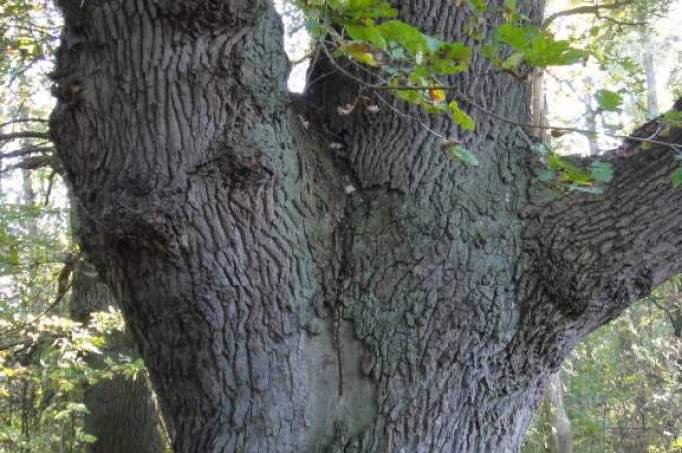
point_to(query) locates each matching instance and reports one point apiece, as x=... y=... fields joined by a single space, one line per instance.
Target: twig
x=462 y=98
x=24 y=134
x=26 y=151
x=24 y=120
x=408 y=116
x=50 y=183
x=49 y=308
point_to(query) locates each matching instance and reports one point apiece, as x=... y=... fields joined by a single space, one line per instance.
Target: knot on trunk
x=131 y=224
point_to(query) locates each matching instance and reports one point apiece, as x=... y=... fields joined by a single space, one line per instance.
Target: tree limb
x=586 y=9
x=598 y=254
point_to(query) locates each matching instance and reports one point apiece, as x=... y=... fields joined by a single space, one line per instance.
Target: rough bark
x=288 y=297
x=122 y=413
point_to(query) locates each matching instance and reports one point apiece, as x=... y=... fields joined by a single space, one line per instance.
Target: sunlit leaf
x=460 y=117
x=608 y=100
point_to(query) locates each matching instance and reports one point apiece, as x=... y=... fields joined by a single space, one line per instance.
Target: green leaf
x=411 y=96
x=88 y=438
x=462 y=154
x=371 y=9
x=515 y=36
x=361 y=4
x=677 y=177
x=608 y=100
x=672 y=118
x=541 y=149
x=601 y=171
x=513 y=61
x=360 y=52
x=368 y=34
x=405 y=35
x=568 y=172
x=478 y=5
x=537 y=46
x=338 y=5
x=460 y=117
x=510 y=5
x=449 y=58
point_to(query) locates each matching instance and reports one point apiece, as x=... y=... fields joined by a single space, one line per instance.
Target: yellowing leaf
x=361 y=52
x=436 y=95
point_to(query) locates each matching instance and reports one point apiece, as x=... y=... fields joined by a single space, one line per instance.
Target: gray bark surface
x=277 y=309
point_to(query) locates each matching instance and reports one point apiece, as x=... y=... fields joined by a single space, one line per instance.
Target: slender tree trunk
x=291 y=297
x=650 y=73
x=539 y=107
x=560 y=424
x=591 y=115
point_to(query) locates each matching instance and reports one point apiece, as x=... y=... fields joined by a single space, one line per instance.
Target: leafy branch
x=410 y=64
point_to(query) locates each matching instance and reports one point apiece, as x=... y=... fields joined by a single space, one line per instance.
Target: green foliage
x=622 y=383
x=417 y=66
x=608 y=100
x=43 y=371
x=672 y=118
x=28 y=35
x=563 y=174
x=414 y=64
x=677 y=177
x=534 y=46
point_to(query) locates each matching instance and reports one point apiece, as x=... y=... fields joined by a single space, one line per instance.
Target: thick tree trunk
x=290 y=298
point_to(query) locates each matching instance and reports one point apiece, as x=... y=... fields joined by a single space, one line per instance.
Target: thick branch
x=597 y=255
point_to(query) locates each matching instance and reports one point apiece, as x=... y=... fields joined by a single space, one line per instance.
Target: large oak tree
x=291 y=296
